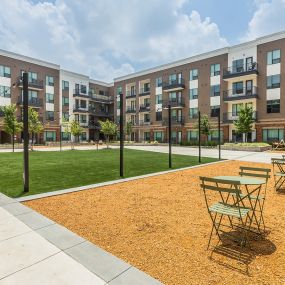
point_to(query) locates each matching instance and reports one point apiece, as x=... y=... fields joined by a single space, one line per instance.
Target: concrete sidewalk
x=35 y=250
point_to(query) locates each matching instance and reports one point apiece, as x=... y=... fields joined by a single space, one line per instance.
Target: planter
x=247 y=148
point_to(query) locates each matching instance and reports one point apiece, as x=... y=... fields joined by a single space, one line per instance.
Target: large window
x=158 y=136
x=273 y=57
x=50 y=136
x=146 y=136
x=215 y=69
x=5 y=71
x=215 y=90
x=273 y=106
x=238 y=65
x=193 y=113
x=269 y=135
x=236 y=109
x=49 y=80
x=119 y=90
x=49 y=115
x=273 y=81
x=158 y=116
x=192 y=135
x=5 y=91
x=65 y=136
x=65 y=116
x=65 y=101
x=215 y=110
x=214 y=136
x=83 y=136
x=238 y=87
x=193 y=74
x=158 y=82
x=33 y=76
x=65 y=85
x=193 y=93
x=49 y=98
x=158 y=99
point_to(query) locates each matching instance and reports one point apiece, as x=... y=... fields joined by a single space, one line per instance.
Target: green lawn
x=51 y=171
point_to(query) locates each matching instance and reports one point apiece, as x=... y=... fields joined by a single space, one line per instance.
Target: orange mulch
x=160 y=225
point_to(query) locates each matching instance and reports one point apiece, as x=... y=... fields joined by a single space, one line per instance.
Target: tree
x=108 y=128
x=244 y=122
x=74 y=128
x=35 y=125
x=11 y=125
x=206 y=127
x=129 y=129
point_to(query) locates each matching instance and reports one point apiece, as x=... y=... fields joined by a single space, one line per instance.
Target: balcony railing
x=194 y=116
x=234 y=71
x=33 y=83
x=144 y=122
x=240 y=94
x=130 y=109
x=176 y=84
x=233 y=116
x=144 y=91
x=175 y=120
x=79 y=109
x=101 y=98
x=79 y=93
x=98 y=112
x=94 y=125
x=145 y=108
x=174 y=103
x=131 y=94
x=34 y=102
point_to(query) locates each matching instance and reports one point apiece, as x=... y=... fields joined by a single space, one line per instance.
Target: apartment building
x=216 y=82
x=57 y=95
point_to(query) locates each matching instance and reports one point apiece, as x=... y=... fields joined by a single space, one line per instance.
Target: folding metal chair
x=258 y=206
x=226 y=212
x=278 y=172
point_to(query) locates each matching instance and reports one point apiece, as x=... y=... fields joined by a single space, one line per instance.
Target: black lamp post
x=199 y=134
x=169 y=136
x=121 y=136
x=26 y=130
x=219 y=133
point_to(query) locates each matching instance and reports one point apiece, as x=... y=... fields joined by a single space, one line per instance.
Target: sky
x=105 y=39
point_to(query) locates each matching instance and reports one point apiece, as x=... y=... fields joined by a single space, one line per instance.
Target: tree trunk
x=32 y=145
x=107 y=141
x=13 y=142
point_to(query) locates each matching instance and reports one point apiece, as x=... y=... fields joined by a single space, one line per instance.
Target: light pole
x=199 y=134
x=169 y=136
x=121 y=136
x=26 y=130
x=219 y=133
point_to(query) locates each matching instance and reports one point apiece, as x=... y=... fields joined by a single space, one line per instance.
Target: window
x=83 y=119
x=5 y=91
x=49 y=98
x=273 y=106
x=119 y=90
x=65 y=116
x=158 y=99
x=101 y=92
x=158 y=136
x=146 y=136
x=5 y=71
x=236 y=108
x=133 y=90
x=83 y=104
x=146 y=87
x=215 y=69
x=49 y=115
x=215 y=90
x=273 y=81
x=192 y=135
x=172 y=78
x=273 y=57
x=193 y=113
x=214 y=136
x=49 y=81
x=65 y=85
x=215 y=110
x=238 y=66
x=193 y=74
x=238 y=87
x=158 y=82
x=118 y=105
x=65 y=136
x=158 y=116
x=83 y=136
x=50 y=136
x=146 y=118
x=269 y=135
x=193 y=93
x=83 y=89
x=65 y=101
x=32 y=76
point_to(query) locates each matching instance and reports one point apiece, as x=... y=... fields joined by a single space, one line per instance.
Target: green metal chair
x=227 y=214
x=263 y=173
x=278 y=165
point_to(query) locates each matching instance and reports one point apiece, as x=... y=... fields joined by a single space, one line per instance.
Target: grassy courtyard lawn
x=50 y=171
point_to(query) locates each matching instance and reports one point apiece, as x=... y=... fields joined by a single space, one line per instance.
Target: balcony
x=240 y=94
x=144 y=122
x=177 y=103
x=174 y=85
x=94 y=125
x=98 y=112
x=106 y=99
x=130 y=94
x=175 y=120
x=33 y=102
x=130 y=110
x=79 y=109
x=231 y=117
x=34 y=84
x=233 y=71
x=144 y=91
x=79 y=93
x=145 y=107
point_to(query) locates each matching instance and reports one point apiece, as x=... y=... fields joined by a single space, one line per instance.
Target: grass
x=50 y=171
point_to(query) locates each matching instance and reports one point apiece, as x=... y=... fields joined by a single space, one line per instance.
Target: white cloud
x=106 y=38
x=268 y=18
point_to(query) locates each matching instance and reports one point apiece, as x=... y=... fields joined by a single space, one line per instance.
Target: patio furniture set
x=236 y=203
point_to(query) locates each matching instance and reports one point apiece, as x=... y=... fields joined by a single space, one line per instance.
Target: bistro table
x=251 y=194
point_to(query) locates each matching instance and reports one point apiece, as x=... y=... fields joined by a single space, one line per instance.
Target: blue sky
x=109 y=38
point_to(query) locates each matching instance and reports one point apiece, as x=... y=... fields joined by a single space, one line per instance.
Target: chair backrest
x=255 y=172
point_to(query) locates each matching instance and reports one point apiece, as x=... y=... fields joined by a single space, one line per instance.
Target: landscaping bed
x=257 y=147
x=161 y=225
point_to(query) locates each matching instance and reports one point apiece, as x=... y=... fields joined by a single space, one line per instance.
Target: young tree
x=108 y=128
x=11 y=125
x=206 y=127
x=35 y=125
x=75 y=129
x=244 y=122
x=129 y=129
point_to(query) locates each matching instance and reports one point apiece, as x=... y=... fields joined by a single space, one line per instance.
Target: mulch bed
x=161 y=225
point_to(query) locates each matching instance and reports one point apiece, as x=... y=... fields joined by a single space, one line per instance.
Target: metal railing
x=174 y=103
x=144 y=107
x=144 y=122
x=35 y=102
x=242 y=93
x=130 y=109
x=130 y=94
x=144 y=91
x=232 y=116
x=172 y=84
x=101 y=98
x=175 y=120
x=79 y=93
x=239 y=70
x=33 y=83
